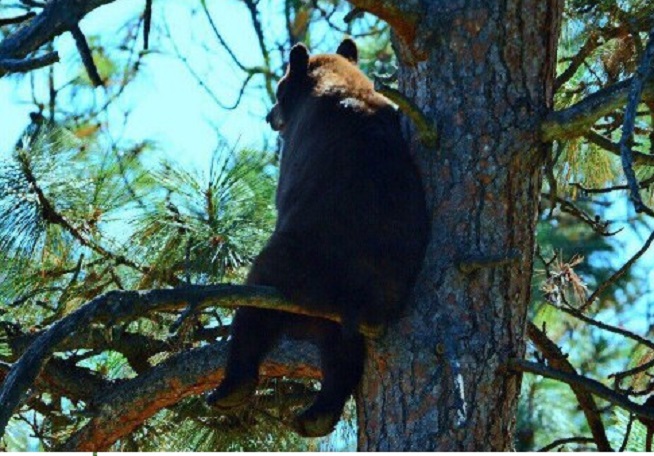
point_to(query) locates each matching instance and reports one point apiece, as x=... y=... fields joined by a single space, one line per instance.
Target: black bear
x=350 y=235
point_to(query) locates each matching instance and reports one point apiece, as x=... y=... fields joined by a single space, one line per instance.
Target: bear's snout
x=275 y=119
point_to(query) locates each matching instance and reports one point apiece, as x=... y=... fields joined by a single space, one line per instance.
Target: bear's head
x=324 y=75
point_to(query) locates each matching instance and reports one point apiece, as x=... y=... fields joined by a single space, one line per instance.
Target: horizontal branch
x=25 y=65
x=120 y=410
x=590 y=385
x=115 y=306
x=576 y=120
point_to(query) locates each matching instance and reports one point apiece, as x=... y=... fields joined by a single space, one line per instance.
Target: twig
x=87 y=58
x=635 y=92
x=627 y=433
x=592 y=386
x=559 y=361
x=147 y=22
x=619 y=273
x=644 y=184
x=25 y=65
x=619 y=376
x=560 y=442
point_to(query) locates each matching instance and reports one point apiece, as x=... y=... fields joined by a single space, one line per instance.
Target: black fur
x=350 y=234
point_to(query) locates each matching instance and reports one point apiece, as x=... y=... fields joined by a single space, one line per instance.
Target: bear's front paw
x=230 y=395
x=316 y=422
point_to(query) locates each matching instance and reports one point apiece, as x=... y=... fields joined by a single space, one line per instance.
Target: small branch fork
x=57 y=17
x=116 y=306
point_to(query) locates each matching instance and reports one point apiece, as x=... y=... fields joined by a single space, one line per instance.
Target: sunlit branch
x=120 y=410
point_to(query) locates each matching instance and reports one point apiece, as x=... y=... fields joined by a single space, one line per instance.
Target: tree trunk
x=438 y=380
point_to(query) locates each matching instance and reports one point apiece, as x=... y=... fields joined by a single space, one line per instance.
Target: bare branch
x=635 y=91
x=576 y=120
x=25 y=65
x=590 y=385
x=57 y=17
x=121 y=305
x=559 y=361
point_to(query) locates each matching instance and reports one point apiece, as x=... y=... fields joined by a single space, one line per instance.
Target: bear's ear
x=348 y=49
x=299 y=59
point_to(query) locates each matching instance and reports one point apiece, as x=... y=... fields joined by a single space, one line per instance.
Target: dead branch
x=559 y=361
x=635 y=91
x=590 y=385
x=116 y=306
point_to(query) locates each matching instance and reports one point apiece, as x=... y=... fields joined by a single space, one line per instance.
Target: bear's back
x=351 y=214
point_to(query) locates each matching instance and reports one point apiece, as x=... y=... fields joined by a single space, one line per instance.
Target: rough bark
x=438 y=380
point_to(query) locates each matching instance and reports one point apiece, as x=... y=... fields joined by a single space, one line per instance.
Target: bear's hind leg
x=254 y=333
x=342 y=359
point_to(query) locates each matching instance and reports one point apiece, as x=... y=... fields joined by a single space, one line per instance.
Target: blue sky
x=167 y=104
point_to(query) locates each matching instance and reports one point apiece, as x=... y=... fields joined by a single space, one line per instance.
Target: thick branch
x=579 y=118
x=57 y=17
x=558 y=361
x=590 y=385
x=127 y=406
x=127 y=305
